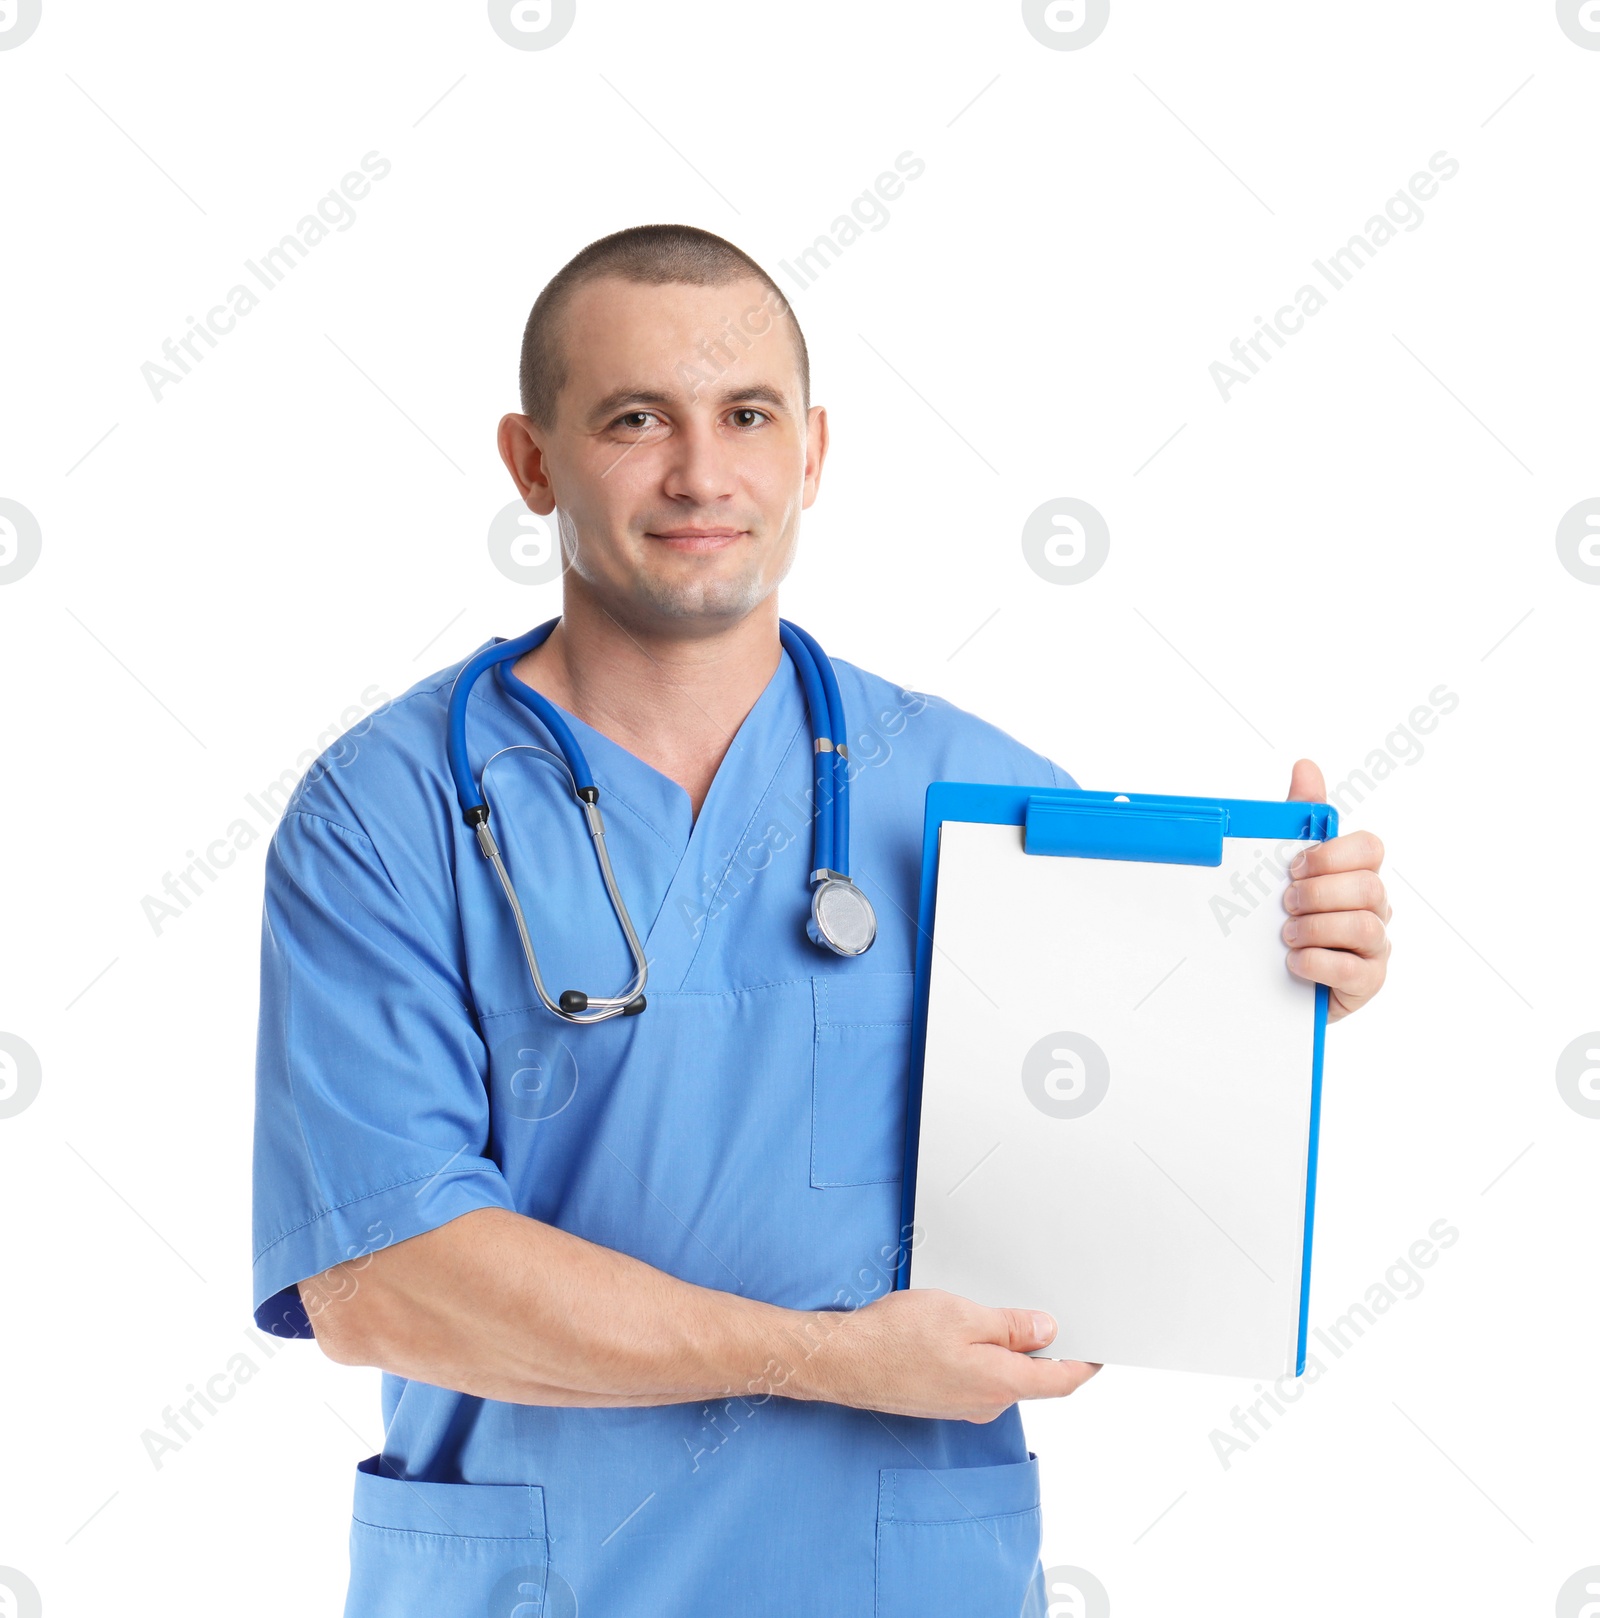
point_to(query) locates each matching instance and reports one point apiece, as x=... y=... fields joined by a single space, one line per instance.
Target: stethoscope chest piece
x=842 y=918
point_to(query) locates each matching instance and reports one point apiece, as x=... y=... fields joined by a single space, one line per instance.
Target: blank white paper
x=1116 y=1101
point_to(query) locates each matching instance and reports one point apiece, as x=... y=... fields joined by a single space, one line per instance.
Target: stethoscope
x=842 y=918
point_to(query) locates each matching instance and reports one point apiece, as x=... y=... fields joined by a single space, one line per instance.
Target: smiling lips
x=697 y=539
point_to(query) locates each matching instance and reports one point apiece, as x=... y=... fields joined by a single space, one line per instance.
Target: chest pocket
x=861 y=1064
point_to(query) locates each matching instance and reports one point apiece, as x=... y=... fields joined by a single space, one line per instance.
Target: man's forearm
x=505 y=1307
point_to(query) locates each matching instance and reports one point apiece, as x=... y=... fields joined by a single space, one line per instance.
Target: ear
x=523 y=453
x=1306 y=784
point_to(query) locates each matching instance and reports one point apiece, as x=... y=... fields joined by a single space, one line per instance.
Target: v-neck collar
x=614 y=762
x=700 y=846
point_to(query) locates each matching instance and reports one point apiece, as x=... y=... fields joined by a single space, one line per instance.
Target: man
x=631 y=1284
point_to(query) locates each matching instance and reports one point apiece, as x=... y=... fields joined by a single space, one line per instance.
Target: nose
x=700 y=468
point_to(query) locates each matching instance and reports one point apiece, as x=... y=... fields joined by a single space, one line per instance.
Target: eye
x=635 y=420
x=748 y=410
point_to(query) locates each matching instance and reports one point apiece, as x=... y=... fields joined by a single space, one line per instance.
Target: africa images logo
x=1066 y=1075
x=1578 y=1075
x=1403 y=211
x=1577 y=538
x=1065 y=541
x=18 y=19
x=20 y=539
x=523 y=546
x=19 y=1595
x=1580 y=22
x=1066 y=25
x=334 y=213
x=21 y=1078
x=532 y=25
x=534 y=1590
x=1074 y=1592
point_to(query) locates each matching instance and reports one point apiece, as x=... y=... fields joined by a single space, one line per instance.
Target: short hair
x=651 y=255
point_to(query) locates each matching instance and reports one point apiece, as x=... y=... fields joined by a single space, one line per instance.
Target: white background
x=305 y=516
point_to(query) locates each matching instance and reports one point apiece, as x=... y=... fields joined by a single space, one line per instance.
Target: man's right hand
x=924 y=1352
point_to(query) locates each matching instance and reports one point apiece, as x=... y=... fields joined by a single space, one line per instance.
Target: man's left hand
x=1338 y=910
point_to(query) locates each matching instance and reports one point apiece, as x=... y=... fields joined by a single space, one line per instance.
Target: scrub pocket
x=422 y=1550
x=960 y=1542
x=861 y=1065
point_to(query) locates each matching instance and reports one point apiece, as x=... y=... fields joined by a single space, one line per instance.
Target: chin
x=724 y=600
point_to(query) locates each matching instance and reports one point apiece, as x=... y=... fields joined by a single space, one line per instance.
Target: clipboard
x=1116 y=1083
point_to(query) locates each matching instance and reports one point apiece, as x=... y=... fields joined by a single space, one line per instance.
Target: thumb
x=1028 y=1328
x=1306 y=784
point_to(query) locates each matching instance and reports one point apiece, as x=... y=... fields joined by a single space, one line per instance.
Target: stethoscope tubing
x=830 y=819
x=824 y=813
x=501 y=655
x=838 y=770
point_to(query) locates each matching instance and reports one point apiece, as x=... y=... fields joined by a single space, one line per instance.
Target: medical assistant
x=743 y=1133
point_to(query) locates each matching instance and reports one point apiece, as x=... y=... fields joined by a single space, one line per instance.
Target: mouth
x=697 y=539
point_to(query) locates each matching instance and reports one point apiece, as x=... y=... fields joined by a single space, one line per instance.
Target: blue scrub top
x=744 y=1133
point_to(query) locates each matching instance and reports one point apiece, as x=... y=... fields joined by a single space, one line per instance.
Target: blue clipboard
x=1113 y=826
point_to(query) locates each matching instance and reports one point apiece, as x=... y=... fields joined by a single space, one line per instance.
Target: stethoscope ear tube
x=827 y=721
x=842 y=918
x=824 y=785
x=467 y=793
x=571 y=1005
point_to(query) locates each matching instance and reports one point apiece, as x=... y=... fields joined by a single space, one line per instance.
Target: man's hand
x=929 y=1353
x=503 y=1307
x=1338 y=910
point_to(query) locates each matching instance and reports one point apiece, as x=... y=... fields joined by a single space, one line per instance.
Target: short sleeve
x=372 y=1111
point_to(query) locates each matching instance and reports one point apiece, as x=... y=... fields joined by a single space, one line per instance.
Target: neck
x=672 y=700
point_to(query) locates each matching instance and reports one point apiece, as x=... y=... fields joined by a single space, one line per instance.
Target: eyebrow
x=612 y=403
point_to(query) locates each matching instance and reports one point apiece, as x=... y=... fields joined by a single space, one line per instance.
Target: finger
x=1020 y=1329
x=1305 y=783
x=1360 y=931
x=1051 y=1379
x=1352 y=977
x=1355 y=851
x=1344 y=890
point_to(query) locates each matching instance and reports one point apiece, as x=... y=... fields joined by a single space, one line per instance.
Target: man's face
x=681 y=456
